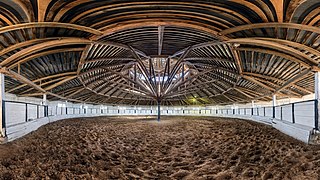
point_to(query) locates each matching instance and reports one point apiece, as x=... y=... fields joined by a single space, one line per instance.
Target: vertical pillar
x=26 y=112
x=2 y=108
x=274 y=100
x=44 y=99
x=274 y=104
x=292 y=113
x=44 y=102
x=252 y=107
x=66 y=107
x=38 y=111
x=317 y=98
x=159 y=102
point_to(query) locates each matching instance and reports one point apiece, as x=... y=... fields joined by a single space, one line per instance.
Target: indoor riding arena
x=188 y=89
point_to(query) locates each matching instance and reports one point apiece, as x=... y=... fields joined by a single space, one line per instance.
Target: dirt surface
x=175 y=148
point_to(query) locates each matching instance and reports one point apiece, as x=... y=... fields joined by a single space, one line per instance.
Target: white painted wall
x=304 y=113
x=287 y=113
x=57 y=110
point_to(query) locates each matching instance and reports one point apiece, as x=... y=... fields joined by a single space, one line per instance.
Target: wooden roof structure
x=137 y=52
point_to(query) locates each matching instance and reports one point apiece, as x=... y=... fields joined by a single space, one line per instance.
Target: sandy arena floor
x=176 y=148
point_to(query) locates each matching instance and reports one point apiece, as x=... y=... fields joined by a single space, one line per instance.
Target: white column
x=317 y=97
x=252 y=103
x=44 y=99
x=317 y=85
x=66 y=108
x=2 y=98
x=274 y=100
x=274 y=104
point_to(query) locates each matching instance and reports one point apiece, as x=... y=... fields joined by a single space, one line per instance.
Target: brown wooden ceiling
x=235 y=50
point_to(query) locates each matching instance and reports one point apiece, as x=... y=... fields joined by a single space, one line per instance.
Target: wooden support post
x=135 y=73
x=2 y=108
x=182 y=72
x=160 y=39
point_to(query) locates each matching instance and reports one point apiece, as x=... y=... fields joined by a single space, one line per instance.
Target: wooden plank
x=49 y=25
x=271 y=25
x=42 y=46
x=160 y=39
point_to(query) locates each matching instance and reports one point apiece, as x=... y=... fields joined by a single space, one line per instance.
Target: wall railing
x=304 y=113
x=15 y=112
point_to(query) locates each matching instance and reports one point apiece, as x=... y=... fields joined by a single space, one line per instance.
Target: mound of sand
x=175 y=148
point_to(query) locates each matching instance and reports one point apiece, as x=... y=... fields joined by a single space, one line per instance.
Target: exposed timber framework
x=159 y=52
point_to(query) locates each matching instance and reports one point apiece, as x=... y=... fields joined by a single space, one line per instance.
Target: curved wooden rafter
x=251 y=41
x=53 y=77
x=31 y=25
x=155 y=23
x=146 y=4
x=271 y=25
x=24 y=44
x=42 y=46
x=34 y=56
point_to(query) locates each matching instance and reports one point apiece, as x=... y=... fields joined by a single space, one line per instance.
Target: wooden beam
x=271 y=25
x=279 y=8
x=294 y=80
x=60 y=82
x=107 y=30
x=42 y=79
x=160 y=39
x=42 y=8
x=83 y=57
x=271 y=52
x=245 y=94
x=49 y=25
x=41 y=54
x=42 y=46
x=24 y=44
x=236 y=58
x=278 y=80
x=21 y=78
x=108 y=59
x=258 y=83
x=252 y=41
x=208 y=59
x=44 y=84
x=293 y=44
